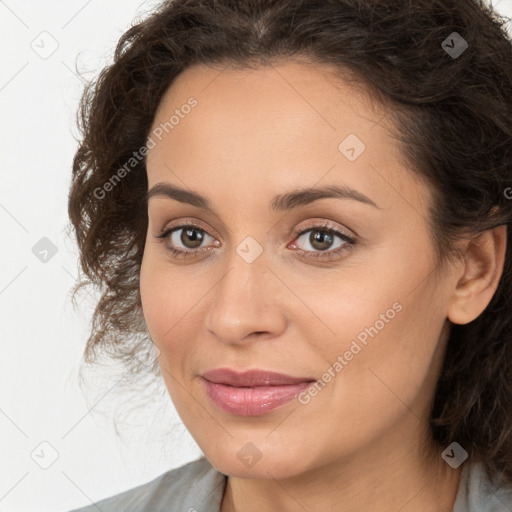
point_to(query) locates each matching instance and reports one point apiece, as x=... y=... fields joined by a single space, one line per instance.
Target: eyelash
x=322 y=255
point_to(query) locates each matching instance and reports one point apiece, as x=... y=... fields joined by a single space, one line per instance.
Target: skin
x=363 y=440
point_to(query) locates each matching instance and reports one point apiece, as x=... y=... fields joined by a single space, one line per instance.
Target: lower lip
x=252 y=401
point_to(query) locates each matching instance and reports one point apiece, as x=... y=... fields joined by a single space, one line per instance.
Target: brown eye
x=191 y=237
x=321 y=242
x=322 y=239
x=185 y=240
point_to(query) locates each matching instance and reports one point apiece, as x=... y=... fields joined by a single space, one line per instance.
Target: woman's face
x=366 y=319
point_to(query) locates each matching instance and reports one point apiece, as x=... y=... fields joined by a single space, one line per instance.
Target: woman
x=305 y=206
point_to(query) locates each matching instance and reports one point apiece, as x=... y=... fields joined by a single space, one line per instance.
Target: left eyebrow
x=304 y=196
x=290 y=200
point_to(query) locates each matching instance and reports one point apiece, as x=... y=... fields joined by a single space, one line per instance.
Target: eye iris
x=195 y=239
x=321 y=237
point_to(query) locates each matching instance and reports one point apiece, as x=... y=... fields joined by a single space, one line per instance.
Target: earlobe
x=484 y=259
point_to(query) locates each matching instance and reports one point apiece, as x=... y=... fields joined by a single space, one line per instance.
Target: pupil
x=196 y=240
x=320 y=237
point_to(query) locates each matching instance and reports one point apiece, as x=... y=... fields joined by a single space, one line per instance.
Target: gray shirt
x=199 y=487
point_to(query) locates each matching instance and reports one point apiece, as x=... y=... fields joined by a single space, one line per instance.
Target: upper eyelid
x=184 y=224
x=328 y=226
x=315 y=225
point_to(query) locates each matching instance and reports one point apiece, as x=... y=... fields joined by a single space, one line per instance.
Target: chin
x=249 y=463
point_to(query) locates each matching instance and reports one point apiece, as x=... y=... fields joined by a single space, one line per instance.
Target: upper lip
x=251 y=378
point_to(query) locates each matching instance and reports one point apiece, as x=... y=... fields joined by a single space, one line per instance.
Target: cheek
x=384 y=320
x=336 y=307
x=159 y=297
x=389 y=368
x=171 y=305
x=154 y=294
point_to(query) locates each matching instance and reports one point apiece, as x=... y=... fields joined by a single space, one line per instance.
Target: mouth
x=252 y=393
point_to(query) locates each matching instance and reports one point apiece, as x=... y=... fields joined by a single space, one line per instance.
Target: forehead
x=278 y=125
x=283 y=99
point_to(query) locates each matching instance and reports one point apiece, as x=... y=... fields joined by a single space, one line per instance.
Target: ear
x=482 y=269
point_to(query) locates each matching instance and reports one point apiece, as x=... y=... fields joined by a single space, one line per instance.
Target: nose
x=245 y=303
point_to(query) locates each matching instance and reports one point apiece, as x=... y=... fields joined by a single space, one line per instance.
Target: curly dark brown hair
x=453 y=119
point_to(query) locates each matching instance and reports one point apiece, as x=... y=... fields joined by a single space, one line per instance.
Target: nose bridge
x=243 y=302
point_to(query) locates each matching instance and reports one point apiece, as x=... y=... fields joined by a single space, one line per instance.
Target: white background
x=42 y=337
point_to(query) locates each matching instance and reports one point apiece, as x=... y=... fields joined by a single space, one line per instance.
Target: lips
x=252 y=393
x=252 y=378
